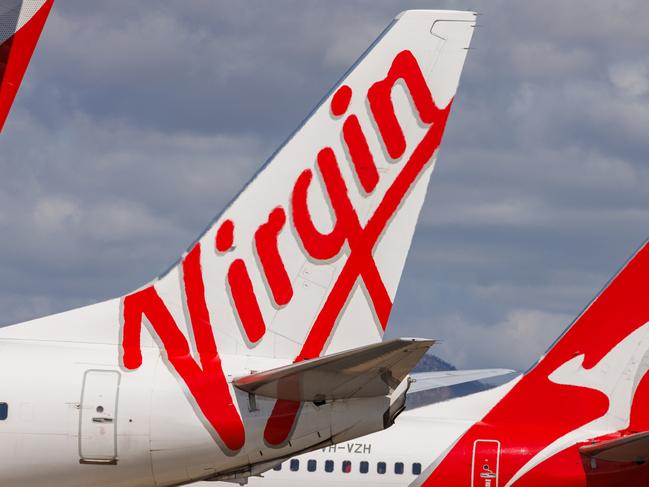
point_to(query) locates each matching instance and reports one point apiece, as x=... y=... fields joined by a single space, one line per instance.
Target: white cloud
x=51 y=212
x=631 y=79
x=517 y=341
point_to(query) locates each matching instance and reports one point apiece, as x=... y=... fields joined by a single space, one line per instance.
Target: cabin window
x=329 y=466
x=398 y=468
x=277 y=468
x=364 y=467
x=416 y=468
x=381 y=468
x=347 y=466
x=311 y=465
x=4 y=411
x=295 y=465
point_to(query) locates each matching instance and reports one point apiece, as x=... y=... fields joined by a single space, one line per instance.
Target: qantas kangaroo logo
x=593 y=379
x=205 y=379
x=624 y=397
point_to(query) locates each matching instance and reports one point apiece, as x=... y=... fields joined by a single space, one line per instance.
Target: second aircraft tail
x=21 y=23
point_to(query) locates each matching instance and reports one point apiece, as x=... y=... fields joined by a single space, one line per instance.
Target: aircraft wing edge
x=371 y=371
x=632 y=448
x=424 y=381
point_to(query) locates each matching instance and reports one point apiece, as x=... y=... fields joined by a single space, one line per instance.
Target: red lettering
x=277 y=431
x=225 y=236
x=347 y=228
x=206 y=382
x=281 y=422
x=360 y=154
x=359 y=151
x=340 y=100
x=245 y=301
x=318 y=245
x=268 y=252
x=404 y=67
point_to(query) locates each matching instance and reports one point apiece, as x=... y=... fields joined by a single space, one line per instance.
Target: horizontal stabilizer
x=632 y=448
x=424 y=381
x=370 y=371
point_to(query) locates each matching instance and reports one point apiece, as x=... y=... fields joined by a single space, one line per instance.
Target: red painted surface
x=281 y=422
x=225 y=236
x=405 y=68
x=207 y=385
x=15 y=54
x=360 y=154
x=537 y=411
x=267 y=249
x=639 y=421
x=561 y=470
x=245 y=301
x=320 y=246
x=486 y=459
x=340 y=100
x=360 y=261
x=361 y=240
x=206 y=382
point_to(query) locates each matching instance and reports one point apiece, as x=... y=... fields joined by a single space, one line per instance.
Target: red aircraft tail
x=587 y=399
x=21 y=24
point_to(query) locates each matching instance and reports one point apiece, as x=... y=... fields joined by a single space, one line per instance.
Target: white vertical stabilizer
x=306 y=260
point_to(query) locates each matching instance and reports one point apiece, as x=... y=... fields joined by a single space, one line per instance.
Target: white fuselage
x=138 y=391
x=393 y=457
x=75 y=418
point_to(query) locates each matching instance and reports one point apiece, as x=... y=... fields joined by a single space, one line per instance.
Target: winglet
x=21 y=24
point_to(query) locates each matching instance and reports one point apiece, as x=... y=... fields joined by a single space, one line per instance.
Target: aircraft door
x=486 y=460
x=98 y=417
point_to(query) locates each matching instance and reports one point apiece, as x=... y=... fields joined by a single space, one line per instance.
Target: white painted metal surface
x=166 y=354
x=98 y=418
x=391 y=458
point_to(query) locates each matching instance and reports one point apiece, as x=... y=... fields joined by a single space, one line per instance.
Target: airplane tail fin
x=596 y=376
x=591 y=386
x=599 y=364
x=21 y=24
x=307 y=258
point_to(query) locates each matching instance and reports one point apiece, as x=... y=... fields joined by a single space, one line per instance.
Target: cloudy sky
x=139 y=120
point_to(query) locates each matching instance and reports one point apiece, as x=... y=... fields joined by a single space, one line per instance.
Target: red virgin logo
x=205 y=379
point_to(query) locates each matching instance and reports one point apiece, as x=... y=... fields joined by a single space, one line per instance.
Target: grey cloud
x=95 y=209
x=524 y=333
x=139 y=121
